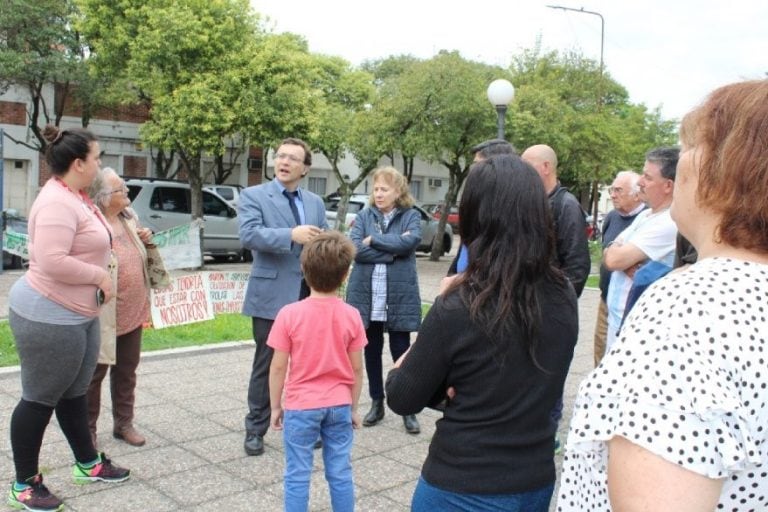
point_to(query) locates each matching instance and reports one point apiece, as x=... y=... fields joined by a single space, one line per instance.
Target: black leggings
x=28 y=423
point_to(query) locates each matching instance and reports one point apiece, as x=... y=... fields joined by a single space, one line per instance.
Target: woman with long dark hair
x=499 y=342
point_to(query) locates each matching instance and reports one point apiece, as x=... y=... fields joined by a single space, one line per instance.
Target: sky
x=667 y=53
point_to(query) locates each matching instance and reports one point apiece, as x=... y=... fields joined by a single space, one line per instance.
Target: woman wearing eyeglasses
x=123 y=318
x=383 y=284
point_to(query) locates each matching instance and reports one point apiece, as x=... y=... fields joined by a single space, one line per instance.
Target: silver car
x=358 y=201
x=163 y=204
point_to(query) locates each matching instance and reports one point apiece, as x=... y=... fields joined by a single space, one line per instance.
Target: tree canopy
x=40 y=47
x=213 y=78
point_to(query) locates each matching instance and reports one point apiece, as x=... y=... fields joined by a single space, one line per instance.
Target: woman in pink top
x=53 y=313
x=121 y=319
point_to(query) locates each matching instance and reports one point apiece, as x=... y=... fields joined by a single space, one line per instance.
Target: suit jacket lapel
x=281 y=204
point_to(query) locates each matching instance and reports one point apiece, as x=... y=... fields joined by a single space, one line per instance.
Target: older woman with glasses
x=121 y=319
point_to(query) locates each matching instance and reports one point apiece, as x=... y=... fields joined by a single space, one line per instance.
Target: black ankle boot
x=411 y=424
x=376 y=414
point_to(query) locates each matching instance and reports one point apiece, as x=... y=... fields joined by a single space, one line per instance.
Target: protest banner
x=186 y=300
x=16 y=244
x=227 y=290
x=180 y=245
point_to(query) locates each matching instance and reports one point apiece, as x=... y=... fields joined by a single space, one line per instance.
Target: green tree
x=186 y=61
x=441 y=110
x=393 y=130
x=208 y=70
x=345 y=94
x=563 y=100
x=38 y=48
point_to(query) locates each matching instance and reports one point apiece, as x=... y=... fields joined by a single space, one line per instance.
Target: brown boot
x=131 y=436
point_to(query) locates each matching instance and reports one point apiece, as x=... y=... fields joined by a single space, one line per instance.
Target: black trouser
x=259 y=411
x=399 y=341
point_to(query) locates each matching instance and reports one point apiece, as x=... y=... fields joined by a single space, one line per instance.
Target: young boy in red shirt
x=320 y=340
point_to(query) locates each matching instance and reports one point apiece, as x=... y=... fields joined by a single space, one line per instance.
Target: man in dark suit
x=276 y=220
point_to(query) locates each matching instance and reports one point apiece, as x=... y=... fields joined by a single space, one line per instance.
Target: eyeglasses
x=121 y=190
x=292 y=158
x=615 y=190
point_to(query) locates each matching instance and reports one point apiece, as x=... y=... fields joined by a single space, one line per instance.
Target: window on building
x=112 y=161
x=416 y=189
x=317 y=185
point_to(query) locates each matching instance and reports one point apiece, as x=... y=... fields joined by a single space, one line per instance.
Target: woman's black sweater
x=496 y=435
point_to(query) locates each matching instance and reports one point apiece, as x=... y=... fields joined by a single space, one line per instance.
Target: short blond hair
x=395 y=179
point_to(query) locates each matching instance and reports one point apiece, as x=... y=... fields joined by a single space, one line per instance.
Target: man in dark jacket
x=570 y=226
x=570 y=232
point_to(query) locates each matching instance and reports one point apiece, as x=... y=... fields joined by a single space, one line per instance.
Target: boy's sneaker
x=35 y=497
x=103 y=471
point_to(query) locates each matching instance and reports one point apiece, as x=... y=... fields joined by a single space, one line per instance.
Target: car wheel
x=247 y=256
x=447 y=244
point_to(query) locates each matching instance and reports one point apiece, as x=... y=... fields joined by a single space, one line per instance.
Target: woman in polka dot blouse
x=676 y=417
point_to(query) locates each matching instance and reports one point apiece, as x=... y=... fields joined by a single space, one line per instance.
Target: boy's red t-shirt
x=317 y=333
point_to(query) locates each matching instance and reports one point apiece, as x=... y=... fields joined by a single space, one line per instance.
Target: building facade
x=25 y=170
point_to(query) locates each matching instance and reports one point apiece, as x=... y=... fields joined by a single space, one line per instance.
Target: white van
x=230 y=193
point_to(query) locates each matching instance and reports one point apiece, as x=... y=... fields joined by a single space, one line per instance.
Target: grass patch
x=595 y=252
x=593 y=281
x=230 y=327
x=223 y=328
x=8 y=355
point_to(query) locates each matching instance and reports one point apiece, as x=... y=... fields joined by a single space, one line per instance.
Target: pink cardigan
x=68 y=247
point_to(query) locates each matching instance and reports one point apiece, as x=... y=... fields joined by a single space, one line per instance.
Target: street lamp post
x=500 y=94
x=602 y=35
x=595 y=184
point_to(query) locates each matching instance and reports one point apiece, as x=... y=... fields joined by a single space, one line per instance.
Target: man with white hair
x=624 y=192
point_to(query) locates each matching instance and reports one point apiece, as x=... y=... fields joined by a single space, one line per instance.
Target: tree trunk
x=341 y=212
x=450 y=199
x=192 y=162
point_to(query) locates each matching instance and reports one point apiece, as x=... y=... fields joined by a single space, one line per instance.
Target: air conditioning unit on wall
x=435 y=182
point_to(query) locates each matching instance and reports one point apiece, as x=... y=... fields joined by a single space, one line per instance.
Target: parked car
x=453 y=215
x=231 y=193
x=358 y=201
x=162 y=204
x=594 y=231
x=13 y=221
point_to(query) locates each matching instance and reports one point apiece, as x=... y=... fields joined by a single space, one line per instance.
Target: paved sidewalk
x=190 y=405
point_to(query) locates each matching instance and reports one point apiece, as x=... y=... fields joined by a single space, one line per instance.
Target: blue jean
x=427 y=498
x=301 y=430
